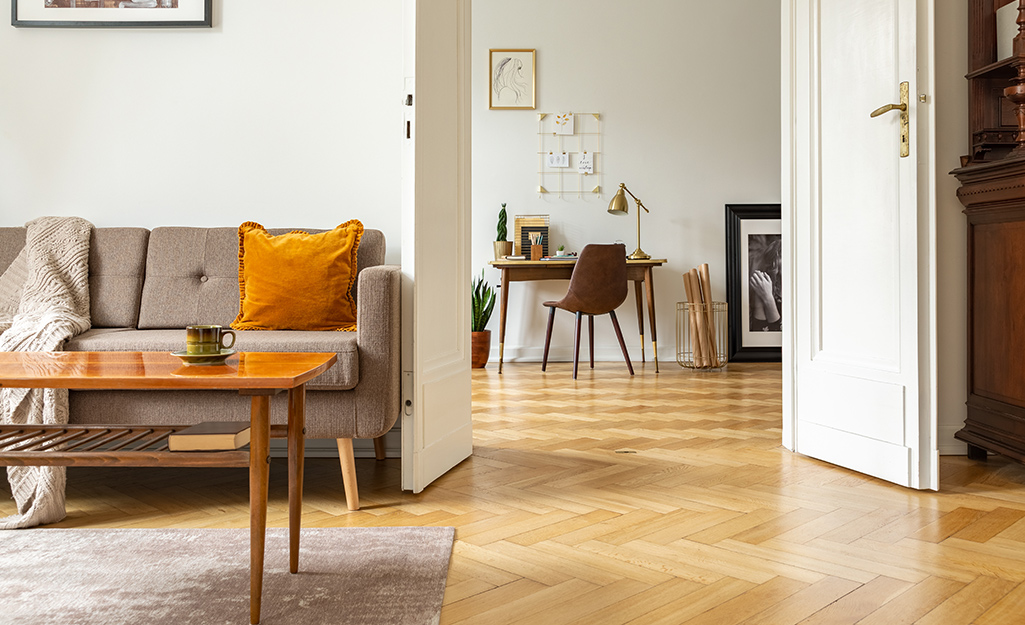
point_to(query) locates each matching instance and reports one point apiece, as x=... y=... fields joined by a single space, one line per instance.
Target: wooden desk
x=637 y=271
x=258 y=375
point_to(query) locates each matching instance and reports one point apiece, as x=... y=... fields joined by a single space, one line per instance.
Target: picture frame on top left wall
x=111 y=13
x=512 y=79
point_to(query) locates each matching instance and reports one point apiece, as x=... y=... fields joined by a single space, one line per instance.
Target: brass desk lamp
x=619 y=206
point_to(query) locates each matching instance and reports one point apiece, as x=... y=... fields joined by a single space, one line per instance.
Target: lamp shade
x=619 y=205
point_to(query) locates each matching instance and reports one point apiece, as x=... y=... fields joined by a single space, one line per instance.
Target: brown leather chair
x=597 y=286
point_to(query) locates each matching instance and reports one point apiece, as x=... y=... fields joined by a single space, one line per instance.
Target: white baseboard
x=565 y=354
x=328 y=447
x=947 y=444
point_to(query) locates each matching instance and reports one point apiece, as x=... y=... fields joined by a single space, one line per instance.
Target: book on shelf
x=210 y=436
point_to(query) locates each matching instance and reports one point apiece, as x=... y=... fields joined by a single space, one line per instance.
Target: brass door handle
x=905 y=130
x=889 y=107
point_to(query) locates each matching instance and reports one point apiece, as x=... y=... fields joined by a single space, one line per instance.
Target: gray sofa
x=146 y=286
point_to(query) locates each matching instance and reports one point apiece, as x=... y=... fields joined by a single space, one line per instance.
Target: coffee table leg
x=259 y=472
x=296 y=448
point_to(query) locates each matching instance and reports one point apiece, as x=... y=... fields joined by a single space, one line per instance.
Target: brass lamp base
x=638 y=254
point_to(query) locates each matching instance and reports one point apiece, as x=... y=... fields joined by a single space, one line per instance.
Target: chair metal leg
x=622 y=343
x=576 y=344
x=590 y=338
x=548 y=337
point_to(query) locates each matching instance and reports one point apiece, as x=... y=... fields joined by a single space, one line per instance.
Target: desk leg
x=259 y=471
x=296 y=449
x=649 y=284
x=640 y=315
x=501 y=318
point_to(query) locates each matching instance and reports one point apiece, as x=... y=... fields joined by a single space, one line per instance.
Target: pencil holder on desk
x=701 y=337
x=537 y=252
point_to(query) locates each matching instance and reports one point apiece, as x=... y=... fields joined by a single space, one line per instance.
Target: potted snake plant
x=503 y=248
x=482 y=301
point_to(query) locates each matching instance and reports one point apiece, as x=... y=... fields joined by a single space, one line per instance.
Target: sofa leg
x=348 y=461
x=379 y=447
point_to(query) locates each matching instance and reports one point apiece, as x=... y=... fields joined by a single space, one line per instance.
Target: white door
x=436 y=424
x=859 y=375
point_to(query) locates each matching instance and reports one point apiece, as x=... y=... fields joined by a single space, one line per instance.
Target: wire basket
x=701 y=335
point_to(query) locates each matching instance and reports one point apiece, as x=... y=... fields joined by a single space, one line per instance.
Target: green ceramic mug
x=201 y=340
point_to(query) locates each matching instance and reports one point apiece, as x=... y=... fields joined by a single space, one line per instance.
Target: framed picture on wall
x=512 y=79
x=111 y=13
x=754 y=288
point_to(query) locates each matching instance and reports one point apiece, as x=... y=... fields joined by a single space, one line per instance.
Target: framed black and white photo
x=511 y=79
x=754 y=282
x=111 y=13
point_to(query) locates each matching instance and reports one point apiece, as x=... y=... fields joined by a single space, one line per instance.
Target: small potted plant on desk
x=503 y=248
x=482 y=300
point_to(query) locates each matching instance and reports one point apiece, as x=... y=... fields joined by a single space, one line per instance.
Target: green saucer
x=204 y=359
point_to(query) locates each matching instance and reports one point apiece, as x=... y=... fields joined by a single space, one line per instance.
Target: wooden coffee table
x=256 y=374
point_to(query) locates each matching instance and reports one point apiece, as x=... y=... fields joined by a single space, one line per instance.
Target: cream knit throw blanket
x=51 y=275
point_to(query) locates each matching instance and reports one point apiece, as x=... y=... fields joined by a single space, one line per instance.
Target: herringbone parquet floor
x=658 y=499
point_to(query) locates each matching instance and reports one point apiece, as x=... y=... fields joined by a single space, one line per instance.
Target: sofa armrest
x=378 y=337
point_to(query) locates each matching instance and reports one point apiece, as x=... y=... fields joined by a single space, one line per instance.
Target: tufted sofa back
x=171 y=277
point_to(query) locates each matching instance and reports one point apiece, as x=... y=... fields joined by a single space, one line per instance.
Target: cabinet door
x=997 y=358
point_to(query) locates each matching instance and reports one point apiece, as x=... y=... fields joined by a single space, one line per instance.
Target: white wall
x=689 y=97
x=951 y=101
x=282 y=113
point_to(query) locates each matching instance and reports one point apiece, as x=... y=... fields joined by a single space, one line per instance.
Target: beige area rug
x=372 y=576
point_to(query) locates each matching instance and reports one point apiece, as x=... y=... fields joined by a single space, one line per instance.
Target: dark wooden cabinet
x=993 y=193
x=994 y=198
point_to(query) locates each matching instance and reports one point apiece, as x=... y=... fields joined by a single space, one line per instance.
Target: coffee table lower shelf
x=105 y=446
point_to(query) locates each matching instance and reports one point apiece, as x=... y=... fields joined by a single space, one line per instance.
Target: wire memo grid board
x=569 y=154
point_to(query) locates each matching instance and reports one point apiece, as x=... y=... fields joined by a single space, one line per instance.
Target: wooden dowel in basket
x=695 y=344
x=706 y=351
x=706 y=292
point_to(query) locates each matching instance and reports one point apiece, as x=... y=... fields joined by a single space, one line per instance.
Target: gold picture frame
x=512 y=79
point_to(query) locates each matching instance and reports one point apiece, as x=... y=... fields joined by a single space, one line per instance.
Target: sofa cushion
x=192 y=274
x=117 y=266
x=342 y=376
x=12 y=283
x=117 y=263
x=11 y=242
x=191 y=278
x=297 y=281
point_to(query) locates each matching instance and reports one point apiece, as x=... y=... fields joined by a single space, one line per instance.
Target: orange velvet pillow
x=297 y=281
